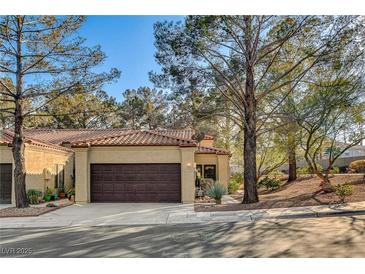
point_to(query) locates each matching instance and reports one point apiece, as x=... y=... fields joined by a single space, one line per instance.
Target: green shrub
x=216 y=191
x=308 y=170
x=358 y=166
x=34 y=196
x=334 y=170
x=237 y=177
x=49 y=191
x=233 y=186
x=269 y=183
x=343 y=190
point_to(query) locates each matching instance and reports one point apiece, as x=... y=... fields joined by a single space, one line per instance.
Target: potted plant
x=216 y=192
x=61 y=193
x=48 y=194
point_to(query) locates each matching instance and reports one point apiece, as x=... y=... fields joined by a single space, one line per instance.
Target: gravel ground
x=33 y=210
x=303 y=192
x=25 y=212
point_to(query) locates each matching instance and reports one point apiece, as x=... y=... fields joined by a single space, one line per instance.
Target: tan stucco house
x=114 y=165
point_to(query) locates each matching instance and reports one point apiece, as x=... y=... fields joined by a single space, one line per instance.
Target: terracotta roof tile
x=54 y=138
x=136 y=138
x=212 y=150
x=61 y=136
x=6 y=138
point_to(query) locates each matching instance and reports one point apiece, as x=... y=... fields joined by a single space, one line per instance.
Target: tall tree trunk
x=18 y=155
x=292 y=156
x=18 y=140
x=249 y=150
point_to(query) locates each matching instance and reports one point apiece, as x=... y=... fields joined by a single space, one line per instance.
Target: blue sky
x=128 y=43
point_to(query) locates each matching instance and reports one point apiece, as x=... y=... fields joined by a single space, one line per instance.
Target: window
x=210 y=172
x=60 y=175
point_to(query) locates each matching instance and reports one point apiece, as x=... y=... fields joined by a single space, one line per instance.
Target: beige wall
x=133 y=154
x=187 y=175
x=221 y=162
x=36 y=160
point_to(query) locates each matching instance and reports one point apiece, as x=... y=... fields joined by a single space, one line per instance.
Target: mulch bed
x=28 y=212
x=303 y=192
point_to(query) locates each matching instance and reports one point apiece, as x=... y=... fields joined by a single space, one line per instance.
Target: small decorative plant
x=269 y=183
x=216 y=192
x=34 y=196
x=233 y=186
x=343 y=190
x=48 y=194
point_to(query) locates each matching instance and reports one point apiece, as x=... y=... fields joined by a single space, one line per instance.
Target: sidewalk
x=159 y=214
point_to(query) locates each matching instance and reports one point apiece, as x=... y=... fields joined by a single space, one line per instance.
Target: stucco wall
x=37 y=159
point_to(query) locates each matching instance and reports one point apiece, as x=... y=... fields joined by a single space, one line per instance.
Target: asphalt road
x=341 y=236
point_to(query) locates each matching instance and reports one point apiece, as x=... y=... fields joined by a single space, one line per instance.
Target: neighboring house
x=114 y=165
x=355 y=151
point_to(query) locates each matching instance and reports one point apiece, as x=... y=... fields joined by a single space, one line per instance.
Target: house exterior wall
x=84 y=157
x=221 y=162
x=36 y=160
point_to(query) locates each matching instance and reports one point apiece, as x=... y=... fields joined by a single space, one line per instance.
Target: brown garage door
x=5 y=183
x=136 y=183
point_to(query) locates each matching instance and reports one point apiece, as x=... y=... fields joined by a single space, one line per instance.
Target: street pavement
x=112 y=214
x=336 y=236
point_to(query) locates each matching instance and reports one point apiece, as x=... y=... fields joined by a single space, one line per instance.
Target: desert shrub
x=343 y=191
x=308 y=170
x=237 y=177
x=358 y=166
x=34 y=196
x=233 y=186
x=276 y=174
x=334 y=170
x=216 y=191
x=269 y=183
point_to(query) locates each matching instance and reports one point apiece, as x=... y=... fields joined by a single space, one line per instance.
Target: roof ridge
x=129 y=132
x=169 y=136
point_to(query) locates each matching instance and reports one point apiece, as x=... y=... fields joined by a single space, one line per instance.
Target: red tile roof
x=136 y=138
x=6 y=138
x=55 y=138
x=62 y=136
x=212 y=150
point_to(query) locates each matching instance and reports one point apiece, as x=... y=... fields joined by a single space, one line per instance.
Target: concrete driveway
x=104 y=214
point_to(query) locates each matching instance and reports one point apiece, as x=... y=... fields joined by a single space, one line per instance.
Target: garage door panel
x=135 y=183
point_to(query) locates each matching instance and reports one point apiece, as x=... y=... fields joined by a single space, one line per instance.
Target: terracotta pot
x=218 y=202
x=61 y=195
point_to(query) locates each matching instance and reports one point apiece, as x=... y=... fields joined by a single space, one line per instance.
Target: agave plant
x=216 y=192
